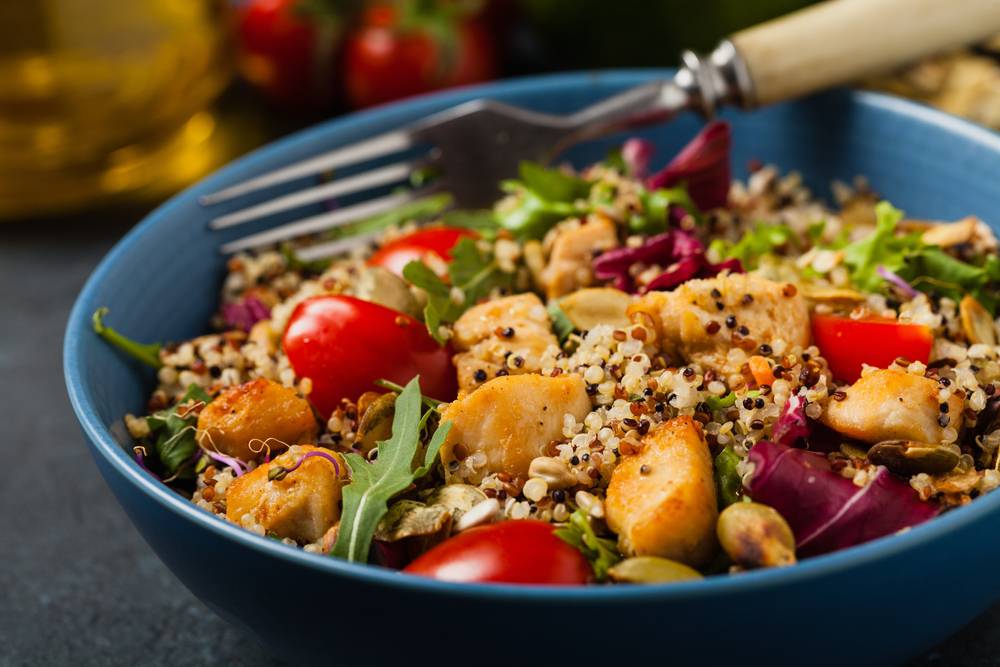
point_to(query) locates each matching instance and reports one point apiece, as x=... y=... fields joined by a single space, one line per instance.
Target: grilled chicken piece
x=570 y=262
x=661 y=501
x=510 y=419
x=691 y=324
x=258 y=411
x=509 y=334
x=303 y=505
x=892 y=405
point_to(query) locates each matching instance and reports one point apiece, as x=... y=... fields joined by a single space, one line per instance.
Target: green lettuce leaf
x=174 y=430
x=880 y=248
x=542 y=198
x=761 y=240
x=600 y=552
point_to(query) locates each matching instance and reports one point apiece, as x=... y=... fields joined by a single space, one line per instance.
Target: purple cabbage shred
x=245 y=313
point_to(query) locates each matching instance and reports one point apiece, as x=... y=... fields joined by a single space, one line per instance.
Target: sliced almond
x=833 y=295
x=977 y=322
x=586 y=308
x=949 y=234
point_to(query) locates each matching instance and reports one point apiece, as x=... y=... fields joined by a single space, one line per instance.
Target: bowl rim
x=105 y=446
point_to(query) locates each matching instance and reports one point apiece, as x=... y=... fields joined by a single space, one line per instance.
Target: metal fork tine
x=367 y=180
x=334 y=248
x=324 y=221
x=390 y=142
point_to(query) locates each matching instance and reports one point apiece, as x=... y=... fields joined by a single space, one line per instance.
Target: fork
x=471 y=147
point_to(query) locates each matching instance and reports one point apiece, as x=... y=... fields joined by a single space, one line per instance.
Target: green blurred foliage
x=639 y=33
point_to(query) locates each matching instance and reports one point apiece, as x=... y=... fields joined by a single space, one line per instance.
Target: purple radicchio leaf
x=702 y=167
x=680 y=251
x=825 y=510
x=245 y=313
x=792 y=426
x=637 y=154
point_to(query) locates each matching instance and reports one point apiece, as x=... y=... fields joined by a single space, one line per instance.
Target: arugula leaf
x=758 y=241
x=880 y=248
x=483 y=221
x=553 y=184
x=474 y=272
x=728 y=484
x=175 y=429
x=421 y=209
x=147 y=353
x=543 y=197
x=373 y=485
x=295 y=263
x=562 y=326
x=656 y=209
x=601 y=552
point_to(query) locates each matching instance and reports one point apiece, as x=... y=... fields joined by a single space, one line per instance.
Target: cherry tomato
x=343 y=345
x=417 y=246
x=846 y=344
x=384 y=61
x=509 y=552
x=288 y=56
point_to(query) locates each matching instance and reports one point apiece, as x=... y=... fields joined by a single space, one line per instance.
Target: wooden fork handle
x=840 y=41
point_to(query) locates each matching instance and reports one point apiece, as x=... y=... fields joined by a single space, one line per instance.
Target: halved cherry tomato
x=846 y=344
x=438 y=241
x=343 y=345
x=509 y=552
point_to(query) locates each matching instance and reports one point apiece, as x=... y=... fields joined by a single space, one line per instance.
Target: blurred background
x=106 y=104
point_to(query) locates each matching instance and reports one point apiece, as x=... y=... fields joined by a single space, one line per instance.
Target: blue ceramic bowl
x=879 y=603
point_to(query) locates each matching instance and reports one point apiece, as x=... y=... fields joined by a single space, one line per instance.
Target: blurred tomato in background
x=313 y=53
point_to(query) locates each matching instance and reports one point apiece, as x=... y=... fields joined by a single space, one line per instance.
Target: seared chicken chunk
x=570 y=262
x=703 y=320
x=661 y=501
x=506 y=335
x=893 y=405
x=301 y=505
x=510 y=420
x=242 y=418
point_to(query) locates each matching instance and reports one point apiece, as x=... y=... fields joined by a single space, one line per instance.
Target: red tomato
x=847 y=344
x=416 y=246
x=288 y=56
x=344 y=345
x=385 y=61
x=509 y=552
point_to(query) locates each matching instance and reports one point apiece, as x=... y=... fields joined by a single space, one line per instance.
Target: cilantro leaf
x=562 y=326
x=474 y=272
x=175 y=430
x=880 y=248
x=373 y=484
x=600 y=552
x=147 y=353
x=542 y=198
x=761 y=240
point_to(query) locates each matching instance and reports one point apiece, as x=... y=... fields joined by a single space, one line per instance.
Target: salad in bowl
x=618 y=375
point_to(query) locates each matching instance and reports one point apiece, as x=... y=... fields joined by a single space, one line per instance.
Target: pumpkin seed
x=651 y=570
x=376 y=422
x=755 y=535
x=905 y=457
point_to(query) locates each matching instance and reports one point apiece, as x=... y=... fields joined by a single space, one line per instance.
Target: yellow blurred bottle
x=105 y=98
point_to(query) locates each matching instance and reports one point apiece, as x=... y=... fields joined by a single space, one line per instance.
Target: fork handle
x=843 y=40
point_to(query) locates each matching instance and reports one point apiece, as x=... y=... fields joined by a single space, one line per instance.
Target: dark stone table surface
x=78 y=586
